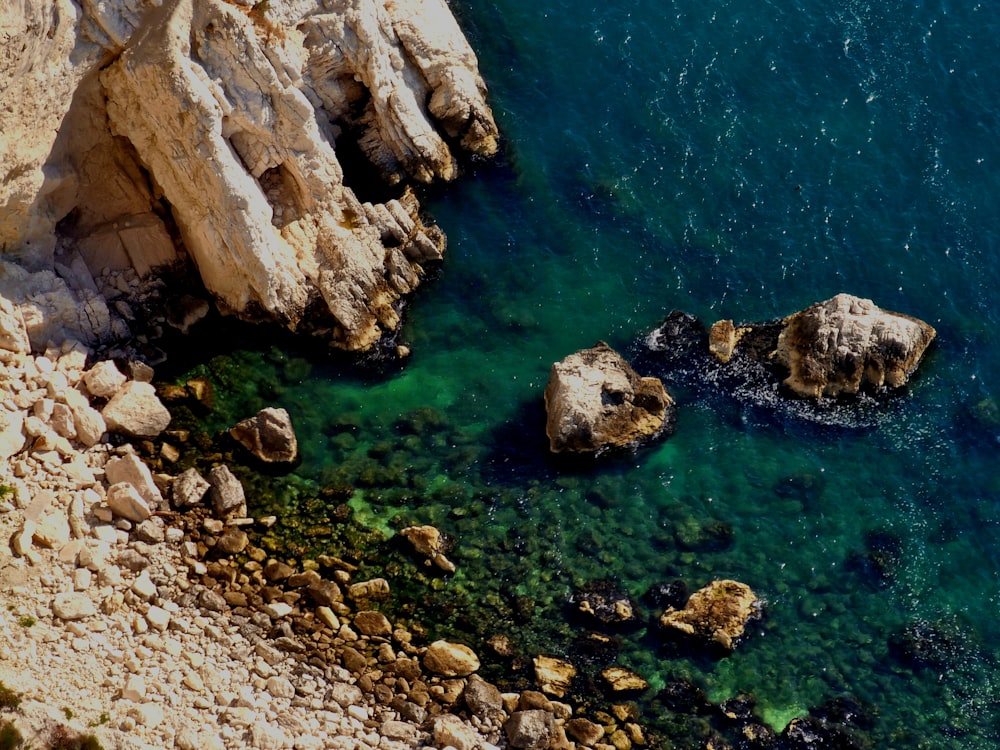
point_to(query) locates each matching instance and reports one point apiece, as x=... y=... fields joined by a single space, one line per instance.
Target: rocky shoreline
x=130 y=619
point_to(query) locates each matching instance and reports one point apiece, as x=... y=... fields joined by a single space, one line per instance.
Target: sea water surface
x=732 y=159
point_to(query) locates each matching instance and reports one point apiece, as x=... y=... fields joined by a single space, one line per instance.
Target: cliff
x=140 y=135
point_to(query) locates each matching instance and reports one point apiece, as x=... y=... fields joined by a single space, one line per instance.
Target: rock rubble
x=131 y=617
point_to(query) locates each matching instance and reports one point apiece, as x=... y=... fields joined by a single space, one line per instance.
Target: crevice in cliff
x=360 y=174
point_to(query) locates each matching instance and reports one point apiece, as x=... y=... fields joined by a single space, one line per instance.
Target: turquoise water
x=734 y=160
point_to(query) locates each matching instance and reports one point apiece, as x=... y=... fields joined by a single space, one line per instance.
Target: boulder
x=483 y=698
x=428 y=542
x=530 y=730
x=268 y=435
x=73 y=606
x=135 y=410
x=584 y=731
x=371 y=623
x=13 y=335
x=594 y=400
x=717 y=613
x=449 y=730
x=12 y=436
x=846 y=344
x=129 y=468
x=104 y=379
x=450 y=659
x=126 y=502
x=226 y=490
x=189 y=488
x=622 y=680
x=722 y=339
x=554 y=676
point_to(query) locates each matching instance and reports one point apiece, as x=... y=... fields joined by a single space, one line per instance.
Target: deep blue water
x=735 y=160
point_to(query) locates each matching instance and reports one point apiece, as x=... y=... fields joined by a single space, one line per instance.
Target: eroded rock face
x=717 y=613
x=846 y=343
x=225 y=118
x=594 y=400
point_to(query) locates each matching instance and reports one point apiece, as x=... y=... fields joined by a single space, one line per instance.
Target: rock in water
x=595 y=400
x=717 y=613
x=268 y=435
x=847 y=343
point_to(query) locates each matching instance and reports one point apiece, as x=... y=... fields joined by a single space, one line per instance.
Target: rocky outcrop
x=208 y=132
x=846 y=343
x=595 y=400
x=717 y=613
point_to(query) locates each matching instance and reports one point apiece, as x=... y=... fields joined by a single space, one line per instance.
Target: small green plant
x=9 y=700
x=6 y=492
x=66 y=738
x=10 y=738
x=26 y=621
x=68 y=713
x=104 y=719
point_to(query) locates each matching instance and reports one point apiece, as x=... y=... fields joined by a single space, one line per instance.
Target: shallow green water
x=731 y=159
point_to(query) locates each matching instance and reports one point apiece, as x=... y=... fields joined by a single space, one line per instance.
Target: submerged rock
x=717 y=613
x=621 y=680
x=430 y=543
x=595 y=400
x=604 y=603
x=846 y=344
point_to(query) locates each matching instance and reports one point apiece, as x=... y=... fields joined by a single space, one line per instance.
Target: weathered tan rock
x=428 y=542
x=234 y=114
x=126 y=502
x=722 y=339
x=137 y=411
x=847 y=343
x=584 y=731
x=129 y=468
x=450 y=659
x=717 y=613
x=226 y=492
x=530 y=730
x=12 y=436
x=369 y=622
x=74 y=605
x=450 y=731
x=104 y=379
x=553 y=676
x=52 y=311
x=595 y=400
x=188 y=488
x=622 y=680
x=268 y=435
x=13 y=335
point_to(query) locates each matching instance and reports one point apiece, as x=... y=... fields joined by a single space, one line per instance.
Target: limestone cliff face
x=127 y=119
